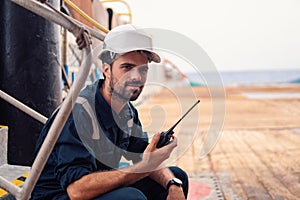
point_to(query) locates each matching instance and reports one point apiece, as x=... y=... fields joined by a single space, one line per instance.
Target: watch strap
x=173 y=182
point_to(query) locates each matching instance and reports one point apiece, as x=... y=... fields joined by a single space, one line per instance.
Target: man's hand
x=175 y=193
x=162 y=175
x=153 y=157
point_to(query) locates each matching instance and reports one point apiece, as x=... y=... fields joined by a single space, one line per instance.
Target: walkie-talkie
x=165 y=137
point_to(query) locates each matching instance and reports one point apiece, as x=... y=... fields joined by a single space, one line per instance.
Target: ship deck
x=258 y=153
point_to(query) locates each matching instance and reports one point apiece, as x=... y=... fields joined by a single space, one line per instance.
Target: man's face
x=128 y=76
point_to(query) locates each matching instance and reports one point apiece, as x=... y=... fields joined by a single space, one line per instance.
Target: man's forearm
x=98 y=183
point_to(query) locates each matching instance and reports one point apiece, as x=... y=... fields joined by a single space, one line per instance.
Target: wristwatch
x=174 y=181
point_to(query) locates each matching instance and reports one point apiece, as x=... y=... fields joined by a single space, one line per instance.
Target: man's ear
x=106 y=70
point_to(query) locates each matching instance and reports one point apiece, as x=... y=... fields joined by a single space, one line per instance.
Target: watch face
x=178 y=181
x=174 y=181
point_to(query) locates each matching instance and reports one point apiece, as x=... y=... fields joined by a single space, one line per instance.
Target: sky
x=236 y=34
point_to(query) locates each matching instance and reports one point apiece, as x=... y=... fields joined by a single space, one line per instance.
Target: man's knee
x=182 y=175
x=179 y=173
x=133 y=194
x=130 y=193
x=126 y=193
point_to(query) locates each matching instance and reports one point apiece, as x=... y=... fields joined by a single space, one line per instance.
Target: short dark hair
x=108 y=57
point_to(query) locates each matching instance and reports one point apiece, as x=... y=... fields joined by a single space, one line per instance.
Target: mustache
x=137 y=83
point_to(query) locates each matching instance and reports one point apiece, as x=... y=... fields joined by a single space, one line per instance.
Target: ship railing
x=74 y=27
x=34 y=114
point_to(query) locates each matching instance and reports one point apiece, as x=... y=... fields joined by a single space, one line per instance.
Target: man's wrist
x=174 y=182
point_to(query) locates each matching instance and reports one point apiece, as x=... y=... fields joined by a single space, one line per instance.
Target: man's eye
x=144 y=69
x=127 y=66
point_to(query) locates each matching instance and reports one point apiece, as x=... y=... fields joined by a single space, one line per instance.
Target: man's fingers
x=174 y=140
x=152 y=146
x=171 y=145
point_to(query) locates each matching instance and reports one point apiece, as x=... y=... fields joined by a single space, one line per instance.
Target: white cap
x=127 y=38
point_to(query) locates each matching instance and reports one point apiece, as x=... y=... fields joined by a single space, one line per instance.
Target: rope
x=83 y=37
x=85 y=16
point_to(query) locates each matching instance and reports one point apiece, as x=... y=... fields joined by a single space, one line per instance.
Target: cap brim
x=154 y=56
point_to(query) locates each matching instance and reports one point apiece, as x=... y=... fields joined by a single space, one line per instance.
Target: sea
x=240 y=78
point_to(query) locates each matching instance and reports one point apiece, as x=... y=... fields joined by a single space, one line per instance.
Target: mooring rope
x=83 y=37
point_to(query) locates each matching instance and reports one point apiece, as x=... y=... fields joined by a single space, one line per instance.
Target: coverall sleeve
x=74 y=159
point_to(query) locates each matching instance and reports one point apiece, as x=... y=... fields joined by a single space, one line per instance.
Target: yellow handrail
x=126 y=4
x=85 y=16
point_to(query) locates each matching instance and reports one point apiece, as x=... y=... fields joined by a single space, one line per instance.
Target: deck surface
x=258 y=153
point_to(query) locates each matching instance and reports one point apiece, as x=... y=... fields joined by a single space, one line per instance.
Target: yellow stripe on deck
x=2 y=192
x=26 y=174
x=17 y=182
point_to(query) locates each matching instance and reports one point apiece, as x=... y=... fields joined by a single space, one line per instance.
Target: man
x=103 y=127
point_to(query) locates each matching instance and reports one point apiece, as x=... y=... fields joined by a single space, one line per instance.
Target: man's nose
x=135 y=75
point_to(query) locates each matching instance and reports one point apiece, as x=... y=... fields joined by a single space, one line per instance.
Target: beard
x=125 y=90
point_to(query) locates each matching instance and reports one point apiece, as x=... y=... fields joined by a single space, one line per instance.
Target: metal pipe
x=75 y=54
x=49 y=14
x=23 y=107
x=125 y=3
x=64 y=49
x=64 y=53
x=9 y=187
x=57 y=127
